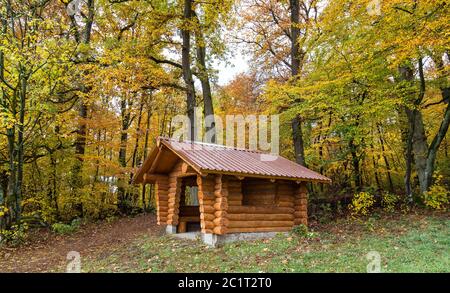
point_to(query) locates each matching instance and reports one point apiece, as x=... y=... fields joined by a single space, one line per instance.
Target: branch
x=170 y=62
x=128 y=26
x=277 y=22
x=403 y=9
x=435 y=103
x=163 y=61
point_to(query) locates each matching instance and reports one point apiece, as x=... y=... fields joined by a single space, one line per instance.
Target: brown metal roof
x=212 y=158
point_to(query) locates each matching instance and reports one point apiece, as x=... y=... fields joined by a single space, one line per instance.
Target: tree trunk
x=437 y=140
x=80 y=148
x=409 y=160
x=186 y=65
x=298 y=141
x=443 y=128
x=419 y=147
x=355 y=165
x=54 y=183
x=10 y=194
x=208 y=110
x=407 y=75
x=138 y=130
x=3 y=189
x=424 y=155
x=20 y=146
x=386 y=161
x=147 y=132
x=11 y=190
x=375 y=168
x=80 y=141
x=125 y=113
x=296 y=123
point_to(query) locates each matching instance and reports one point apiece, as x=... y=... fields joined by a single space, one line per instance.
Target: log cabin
x=225 y=193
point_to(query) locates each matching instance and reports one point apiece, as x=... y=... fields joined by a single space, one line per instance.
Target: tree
x=278 y=33
x=82 y=38
x=32 y=67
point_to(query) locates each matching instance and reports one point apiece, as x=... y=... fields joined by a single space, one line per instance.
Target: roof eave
x=262 y=176
x=146 y=165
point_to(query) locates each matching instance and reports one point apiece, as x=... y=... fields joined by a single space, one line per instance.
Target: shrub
x=437 y=196
x=361 y=204
x=3 y=210
x=322 y=212
x=76 y=223
x=15 y=235
x=389 y=201
x=62 y=228
x=300 y=230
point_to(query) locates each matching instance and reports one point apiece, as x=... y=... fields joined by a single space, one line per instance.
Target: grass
x=406 y=243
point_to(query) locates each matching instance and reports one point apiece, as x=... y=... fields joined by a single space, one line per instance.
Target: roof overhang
x=164 y=156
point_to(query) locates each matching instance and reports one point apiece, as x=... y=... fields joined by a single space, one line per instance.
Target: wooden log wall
x=206 y=200
x=260 y=219
x=285 y=194
x=234 y=191
x=301 y=204
x=265 y=207
x=174 y=195
x=230 y=205
x=220 y=205
x=162 y=197
x=258 y=192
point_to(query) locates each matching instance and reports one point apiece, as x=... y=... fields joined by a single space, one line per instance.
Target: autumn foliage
x=85 y=91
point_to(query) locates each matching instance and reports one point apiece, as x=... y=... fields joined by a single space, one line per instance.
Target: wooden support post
x=182 y=227
x=221 y=205
x=161 y=197
x=301 y=204
x=206 y=201
x=174 y=200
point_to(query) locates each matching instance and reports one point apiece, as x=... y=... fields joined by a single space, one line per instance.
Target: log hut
x=225 y=193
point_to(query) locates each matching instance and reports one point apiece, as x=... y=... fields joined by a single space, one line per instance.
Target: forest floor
x=416 y=242
x=46 y=251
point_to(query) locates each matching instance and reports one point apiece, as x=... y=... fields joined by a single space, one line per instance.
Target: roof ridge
x=215 y=145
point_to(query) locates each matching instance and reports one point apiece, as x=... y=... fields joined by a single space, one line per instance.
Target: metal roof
x=213 y=158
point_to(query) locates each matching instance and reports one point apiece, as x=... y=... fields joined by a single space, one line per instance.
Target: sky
x=238 y=63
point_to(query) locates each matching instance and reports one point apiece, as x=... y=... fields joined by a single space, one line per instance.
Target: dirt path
x=47 y=252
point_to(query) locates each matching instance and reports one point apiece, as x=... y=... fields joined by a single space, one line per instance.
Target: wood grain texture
x=301 y=204
x=162 y=198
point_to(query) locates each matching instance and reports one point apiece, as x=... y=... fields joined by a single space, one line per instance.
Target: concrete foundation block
x=214 y=240
x=171 y=229
x=210 y=239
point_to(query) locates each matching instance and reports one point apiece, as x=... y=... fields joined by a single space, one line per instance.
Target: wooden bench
x=187 y=214
x=182 y=222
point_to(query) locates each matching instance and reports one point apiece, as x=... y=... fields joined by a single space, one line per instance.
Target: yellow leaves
x=389 y=201
x=361 y=204
x=7 y=120
x=437 y=197
x=3 y=210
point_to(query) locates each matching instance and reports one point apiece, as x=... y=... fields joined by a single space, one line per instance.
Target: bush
x=325 y=213
x=389 y=201
x=300 y=230
x=437 y=196
x=361 y=204
x=15 y=235
x=3 y=210
x=62 y=228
